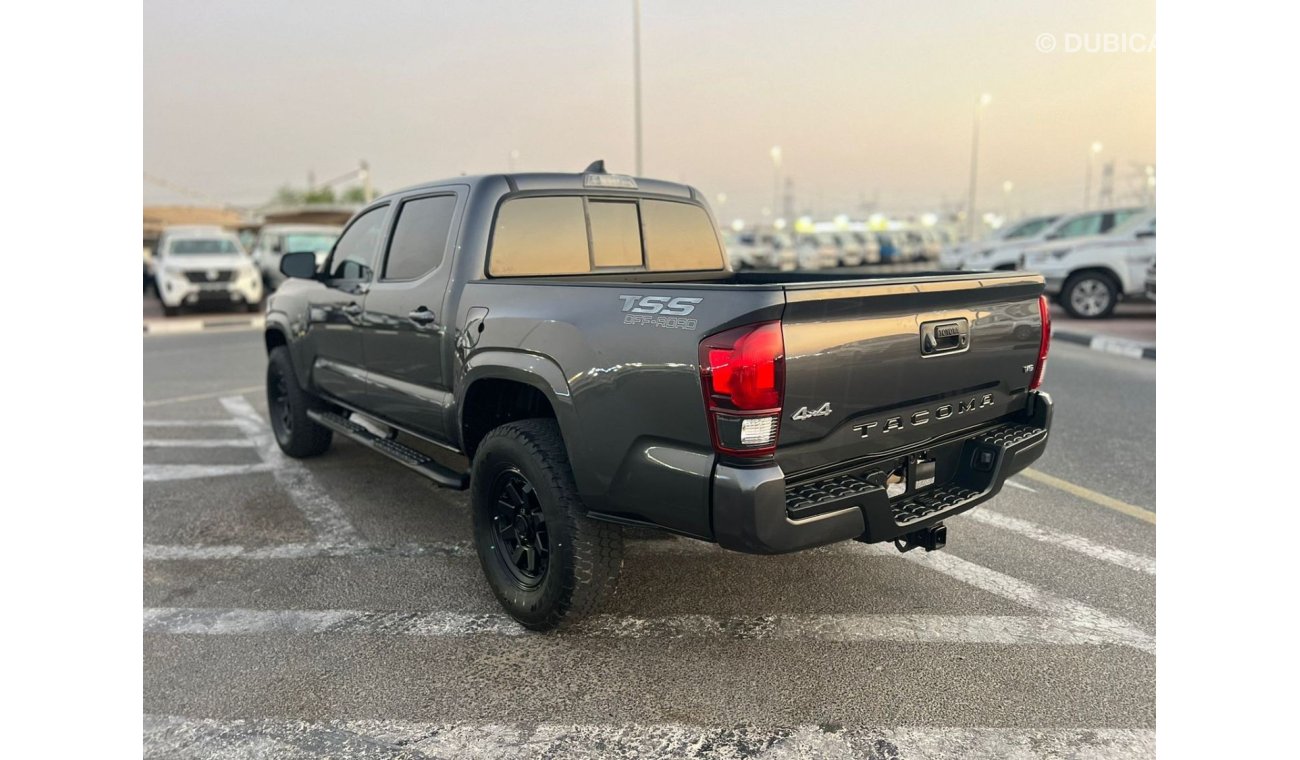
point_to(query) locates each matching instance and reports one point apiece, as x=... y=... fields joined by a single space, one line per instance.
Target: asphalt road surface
x=334 y=607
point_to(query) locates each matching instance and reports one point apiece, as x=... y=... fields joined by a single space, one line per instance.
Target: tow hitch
x=930 y=539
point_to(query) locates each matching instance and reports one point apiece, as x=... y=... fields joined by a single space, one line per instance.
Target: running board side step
x=415 y=460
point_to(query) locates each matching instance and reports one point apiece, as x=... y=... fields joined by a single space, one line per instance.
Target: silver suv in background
x=275 y=240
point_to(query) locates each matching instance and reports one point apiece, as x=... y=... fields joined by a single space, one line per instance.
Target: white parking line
x=1065 y=540
x=190 y=423
x=182 y=737
x=1084 y=619
x=156 y=473
x=184 y=552
x=327 y=519
x=197 y=443
x=1086 y=624
x=1021 y=486
x=912 y=629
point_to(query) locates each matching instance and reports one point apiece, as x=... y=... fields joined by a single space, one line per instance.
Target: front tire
x=1089 y=295
x=298 y=435
x=547 y=563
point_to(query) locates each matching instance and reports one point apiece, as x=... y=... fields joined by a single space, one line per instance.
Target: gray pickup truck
x=578 y=350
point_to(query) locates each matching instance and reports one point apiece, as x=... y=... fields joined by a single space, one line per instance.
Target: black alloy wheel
x=281 y=406
x=521 y=537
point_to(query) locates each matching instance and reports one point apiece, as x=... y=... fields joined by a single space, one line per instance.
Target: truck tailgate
x=874 y=368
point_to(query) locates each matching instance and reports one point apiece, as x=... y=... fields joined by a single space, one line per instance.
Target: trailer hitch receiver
x=930 y=539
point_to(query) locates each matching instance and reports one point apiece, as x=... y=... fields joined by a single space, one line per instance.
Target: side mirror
x=300 y=264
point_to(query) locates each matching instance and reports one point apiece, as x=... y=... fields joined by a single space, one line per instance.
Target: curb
x=175 y=327
x=1107 y=344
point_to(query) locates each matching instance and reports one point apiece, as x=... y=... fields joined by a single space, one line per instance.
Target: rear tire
x=1090 y=295
x=171 y=311
x=298 y=435
x=547 y=563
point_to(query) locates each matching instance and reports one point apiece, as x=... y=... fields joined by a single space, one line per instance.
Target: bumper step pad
x=975 y=468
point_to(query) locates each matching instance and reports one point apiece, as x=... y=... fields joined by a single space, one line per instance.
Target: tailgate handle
x=945 y=336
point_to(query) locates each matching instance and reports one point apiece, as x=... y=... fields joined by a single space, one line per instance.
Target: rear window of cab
x=578 y=234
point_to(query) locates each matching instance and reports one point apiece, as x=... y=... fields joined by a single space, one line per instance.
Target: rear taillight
x=1044 y=342
x=743 y=375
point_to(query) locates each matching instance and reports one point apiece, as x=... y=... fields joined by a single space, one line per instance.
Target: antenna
x=596 y=167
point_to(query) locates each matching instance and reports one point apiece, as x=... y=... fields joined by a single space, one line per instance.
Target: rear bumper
x=756 y=511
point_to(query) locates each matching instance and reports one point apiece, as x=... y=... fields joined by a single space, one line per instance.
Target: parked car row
x=208 y=266
x=1091 y=260
x=831 y=248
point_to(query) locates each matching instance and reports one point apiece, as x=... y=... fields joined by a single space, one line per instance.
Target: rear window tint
x=678 y=237
x=558 y=235
x=536 y=236
x=615 y=233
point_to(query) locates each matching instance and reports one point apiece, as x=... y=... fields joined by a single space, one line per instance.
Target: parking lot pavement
x=334 y=607
x=1134 y=322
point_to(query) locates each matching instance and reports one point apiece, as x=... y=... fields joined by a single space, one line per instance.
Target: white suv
x=204 y=266
x=955 y=255
x=1090 y=275
x=1006 y=254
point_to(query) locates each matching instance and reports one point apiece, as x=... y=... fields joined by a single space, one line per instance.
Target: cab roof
x=541 y=181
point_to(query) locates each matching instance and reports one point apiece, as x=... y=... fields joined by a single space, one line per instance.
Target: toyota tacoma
x=579 y=345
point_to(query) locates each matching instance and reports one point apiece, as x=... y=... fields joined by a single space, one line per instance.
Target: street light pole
x=636 y=77
x=1087 y=183
x=775 y=153
x=983 y=101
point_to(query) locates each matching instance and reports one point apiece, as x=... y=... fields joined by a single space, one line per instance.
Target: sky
x=871 y=103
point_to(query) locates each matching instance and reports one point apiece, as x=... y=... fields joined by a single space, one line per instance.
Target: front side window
x=355 y=252
x=1125 y=215
x=1084 y=225
x=420 y=237
x=1030 y=228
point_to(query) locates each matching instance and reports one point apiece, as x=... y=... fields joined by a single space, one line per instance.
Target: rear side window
x=419 y=240
x=678 y=237
x=560 y=235
x=538 y=236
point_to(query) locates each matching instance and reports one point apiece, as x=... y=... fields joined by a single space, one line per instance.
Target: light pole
x=775 y=153
x=1087 y=183
x=980 y=103
x=636 y=77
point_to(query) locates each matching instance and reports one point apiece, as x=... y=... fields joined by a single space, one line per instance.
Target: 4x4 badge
x=803 y=414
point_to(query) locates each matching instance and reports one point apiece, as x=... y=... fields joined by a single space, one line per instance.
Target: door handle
x=353 y=309
x=422 y=316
